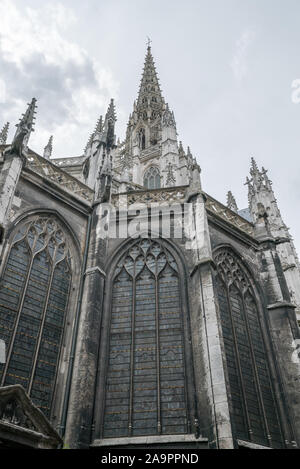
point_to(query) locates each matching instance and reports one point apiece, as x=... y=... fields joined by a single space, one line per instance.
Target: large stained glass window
x=145 y=382
x=34 y=290
x=253 y=407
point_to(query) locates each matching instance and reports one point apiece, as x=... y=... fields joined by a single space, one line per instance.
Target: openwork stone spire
x=231 y=202
x=150 y=100
x=48 y=148
x=4 y=134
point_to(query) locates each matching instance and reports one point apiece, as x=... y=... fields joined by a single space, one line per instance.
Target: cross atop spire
x=148 y=42
x=4 y=134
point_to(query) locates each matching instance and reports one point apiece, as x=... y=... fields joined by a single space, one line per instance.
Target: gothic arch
x=141 y=273
x=253 y=401
x=151 y=178
x=40 y=264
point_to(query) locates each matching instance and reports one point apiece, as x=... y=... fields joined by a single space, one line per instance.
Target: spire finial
x=4 y=134
x=48 y=148
x=148 y=43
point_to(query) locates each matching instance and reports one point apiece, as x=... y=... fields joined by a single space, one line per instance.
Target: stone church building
x=135 y=309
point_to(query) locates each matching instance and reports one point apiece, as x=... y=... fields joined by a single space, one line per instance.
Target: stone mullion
x=159 y=429
x=130 y=417
x=43 y=317
x=235 y=343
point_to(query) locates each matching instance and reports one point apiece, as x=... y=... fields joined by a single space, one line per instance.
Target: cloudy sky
x=226 y=68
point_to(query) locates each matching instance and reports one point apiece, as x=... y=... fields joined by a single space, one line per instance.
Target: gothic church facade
x=135 y=309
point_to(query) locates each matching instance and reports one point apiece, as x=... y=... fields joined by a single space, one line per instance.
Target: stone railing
x=216 y=208
x=71 y=161
x=50 y=171
x=169 y=195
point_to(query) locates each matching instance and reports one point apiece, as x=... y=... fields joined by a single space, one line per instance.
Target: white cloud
x=2 y=91
x=38 y=60
x=239 y=61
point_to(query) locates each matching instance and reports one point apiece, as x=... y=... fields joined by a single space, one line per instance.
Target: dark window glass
x=252 y=404
x=34 y=291
x=145 y=383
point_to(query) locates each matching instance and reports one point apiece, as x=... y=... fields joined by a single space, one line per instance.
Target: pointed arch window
x=145 y=390
x=34 y=290
x=152 y=178
x=253 y=407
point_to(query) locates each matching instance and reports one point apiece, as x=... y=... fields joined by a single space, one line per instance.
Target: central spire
x=150 y=102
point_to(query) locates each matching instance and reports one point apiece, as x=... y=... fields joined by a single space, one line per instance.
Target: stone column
x=285 y=336
x=206 y=336
x=81 y=403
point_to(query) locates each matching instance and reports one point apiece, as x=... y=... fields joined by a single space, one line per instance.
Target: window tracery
x=253 y=406
x=152 y=178
x=34 y=290
x=145 y=383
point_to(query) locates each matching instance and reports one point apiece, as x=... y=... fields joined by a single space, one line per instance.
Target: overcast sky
x=226 y=68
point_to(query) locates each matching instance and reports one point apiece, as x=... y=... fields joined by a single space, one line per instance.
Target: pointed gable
x=22 y=424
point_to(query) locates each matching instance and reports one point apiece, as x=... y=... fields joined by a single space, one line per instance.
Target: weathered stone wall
x=281 y=330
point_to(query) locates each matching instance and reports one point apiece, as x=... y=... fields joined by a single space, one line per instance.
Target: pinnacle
x=48 y=148
x=26 y=122
x=231 y=202
x=99 y=125
x=4 y=134
x=98 y=129
x=31 y=111
x=111 y=111
x=254 y=167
